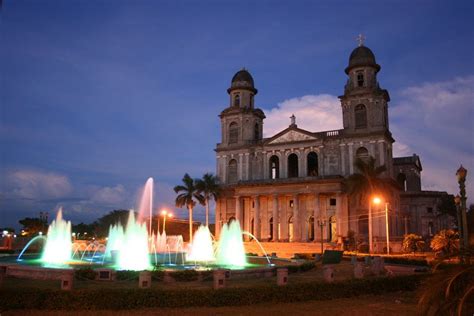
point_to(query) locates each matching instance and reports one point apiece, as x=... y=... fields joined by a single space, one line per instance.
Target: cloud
x=110 y=195
x=32 y=184
x=434 y=120
x=313 y=112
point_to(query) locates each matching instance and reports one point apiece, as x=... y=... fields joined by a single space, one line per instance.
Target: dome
x=360 y=57
x=242 y=80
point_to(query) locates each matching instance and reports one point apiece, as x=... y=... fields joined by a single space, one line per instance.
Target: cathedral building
x=290 y=186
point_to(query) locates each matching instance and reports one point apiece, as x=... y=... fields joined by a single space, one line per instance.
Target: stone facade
x=283 y=187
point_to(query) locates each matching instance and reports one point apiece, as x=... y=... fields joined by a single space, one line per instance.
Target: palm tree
x=367 y=181
x=188 y=193
x=209 y=188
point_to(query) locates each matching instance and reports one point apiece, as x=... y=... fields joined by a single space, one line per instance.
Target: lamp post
x=322 y=223
x=461 y=174
x=165 y=214
x=377 y=201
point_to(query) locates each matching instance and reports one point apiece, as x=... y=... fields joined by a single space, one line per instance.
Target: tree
x=209 y=188
x=33 y=225
x=187 y=194
x=101 y=226
x=446 y=206
x=413 y=243
x=366 y=182
x=445 y=243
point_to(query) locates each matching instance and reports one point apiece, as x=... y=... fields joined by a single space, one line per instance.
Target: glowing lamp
x=377 y=200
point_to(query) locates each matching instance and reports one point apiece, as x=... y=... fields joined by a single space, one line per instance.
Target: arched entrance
x=292 y=166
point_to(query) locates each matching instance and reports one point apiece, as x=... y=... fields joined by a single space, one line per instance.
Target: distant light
x=170 y=215
x=40 y=233
x=5 y=232
x=73 y=234
x=14 y=236
x=164 y=212
x=377 y=200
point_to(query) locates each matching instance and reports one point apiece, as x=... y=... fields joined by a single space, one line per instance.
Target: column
x=265 y=165
x=256 y=219
x=247 y=166
x=323 y=212
x=218 y=219
x=238 y=211
x=321 y=161
x=339 y=216
x=283 y=165
x=317 y=216
x=302 y=167
x=351 y=158
x=342 y=150
x=239 y=170
x=296 y=219
x=275 y=217
x=284 y=220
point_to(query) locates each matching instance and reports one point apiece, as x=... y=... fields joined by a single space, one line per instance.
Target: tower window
x=256 y=132
x=274 y=167
x=402 y=181
x=332 y=202
x=360 y=79
x=233 y=133
x=360 y=116
x=232 y=171
x=362 y=153
x=237 y=100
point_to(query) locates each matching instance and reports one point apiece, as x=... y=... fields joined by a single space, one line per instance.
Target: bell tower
x=241 y=122
x=364 y=103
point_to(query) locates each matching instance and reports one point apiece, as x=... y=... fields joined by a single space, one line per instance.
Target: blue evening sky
x=97 y=96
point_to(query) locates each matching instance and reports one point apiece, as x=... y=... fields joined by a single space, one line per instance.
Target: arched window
x=231 y=219
x=233 y=133
x=271 y=228
x=402 y=181
x=362 y=153
x=360 y=79
x=360 y=116
x=363 y=225
x=274 y=167
x=232 y=171
x=237 y=100
x=311 y=228
x=256 y=132
x=292 y=166
x=312 y=162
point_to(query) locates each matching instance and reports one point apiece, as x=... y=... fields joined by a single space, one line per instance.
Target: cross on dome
x=360 y=39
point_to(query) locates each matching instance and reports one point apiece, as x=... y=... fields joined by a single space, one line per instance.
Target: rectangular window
x=332 y=202
x=429 y=209
x=291 y=203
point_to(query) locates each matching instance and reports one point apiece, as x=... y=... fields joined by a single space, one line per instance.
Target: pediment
x=291 y=136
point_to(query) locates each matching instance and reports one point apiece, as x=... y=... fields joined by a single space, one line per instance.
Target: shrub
x=185 y=275
x=445 y=243
x=85 y=274
x=305 y=256
x=121 y=298
x=127 y=275
x=157 y=275
x=407 y=261
x=413 y=243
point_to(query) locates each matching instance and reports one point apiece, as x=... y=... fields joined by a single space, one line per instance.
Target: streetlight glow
x=377 y=200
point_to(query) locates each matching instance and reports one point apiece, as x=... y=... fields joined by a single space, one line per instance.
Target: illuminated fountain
x=132 y=250
x=202 y=248
x=134 y=247
x=230 y=249
x=57 y=250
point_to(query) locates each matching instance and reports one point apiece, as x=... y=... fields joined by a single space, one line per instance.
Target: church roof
x=410 y=160
x=242 y=80
x=362 y=56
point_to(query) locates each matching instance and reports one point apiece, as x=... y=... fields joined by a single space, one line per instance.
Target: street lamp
x=377 y=201
x=461 y=174
x=165 y=214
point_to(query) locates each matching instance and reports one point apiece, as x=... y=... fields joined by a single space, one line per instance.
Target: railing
x=332 y=133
